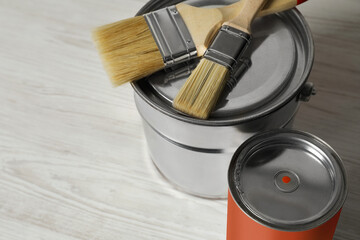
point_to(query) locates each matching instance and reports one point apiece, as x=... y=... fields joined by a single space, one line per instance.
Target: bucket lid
x=281 y=56
x=273 y=56
x=287 y=180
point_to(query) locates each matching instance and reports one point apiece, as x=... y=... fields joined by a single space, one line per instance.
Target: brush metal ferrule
x=180 y=71
x=228 y=46
x=171 y=35
x=243 y=65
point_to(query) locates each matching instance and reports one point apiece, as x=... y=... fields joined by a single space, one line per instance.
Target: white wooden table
x=73 y=158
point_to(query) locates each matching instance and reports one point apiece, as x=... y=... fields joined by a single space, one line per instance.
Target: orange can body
x=240 y=226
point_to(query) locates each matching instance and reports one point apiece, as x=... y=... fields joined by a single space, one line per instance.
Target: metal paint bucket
x=194 y=154
x=285 y=184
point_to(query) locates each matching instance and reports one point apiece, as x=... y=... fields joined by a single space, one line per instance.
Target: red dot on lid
x=286 y=179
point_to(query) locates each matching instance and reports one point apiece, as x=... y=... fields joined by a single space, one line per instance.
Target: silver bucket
x=194 y=154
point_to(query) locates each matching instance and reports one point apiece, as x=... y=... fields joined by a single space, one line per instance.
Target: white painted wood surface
x=73 y=158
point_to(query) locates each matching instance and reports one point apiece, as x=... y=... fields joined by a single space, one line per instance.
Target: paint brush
x=199 y=94
x=137 y=47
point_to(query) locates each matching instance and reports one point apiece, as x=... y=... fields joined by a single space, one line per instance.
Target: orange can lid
x=287 y=180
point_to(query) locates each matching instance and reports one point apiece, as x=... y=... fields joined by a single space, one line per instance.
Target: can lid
x=273 y=56
x=287 y=180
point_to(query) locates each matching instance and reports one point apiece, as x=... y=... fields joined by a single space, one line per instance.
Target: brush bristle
x=202 y=89
x=128 y=50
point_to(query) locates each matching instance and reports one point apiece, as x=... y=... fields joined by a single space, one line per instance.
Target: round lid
x=272 y=53
x=277 y=64
x=287 y=180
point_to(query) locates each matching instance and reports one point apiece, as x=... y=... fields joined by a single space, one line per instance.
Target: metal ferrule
x=243 y=65
x=180 y=71
x=171 y=35
x=228 y=47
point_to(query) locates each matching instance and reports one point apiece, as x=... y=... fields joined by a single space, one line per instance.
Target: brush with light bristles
x=202 y=89
x=137 y=47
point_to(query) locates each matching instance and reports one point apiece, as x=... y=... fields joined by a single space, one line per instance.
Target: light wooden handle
x=247 y=14
x=272 y=6
x=204 y=23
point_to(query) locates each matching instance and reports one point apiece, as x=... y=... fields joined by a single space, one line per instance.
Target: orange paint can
x=285 y=185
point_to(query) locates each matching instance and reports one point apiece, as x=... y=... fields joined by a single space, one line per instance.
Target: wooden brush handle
x=247 y=14
x=204 y=23
x=272 y=6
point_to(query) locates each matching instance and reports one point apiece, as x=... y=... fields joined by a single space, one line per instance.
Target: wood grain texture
x=244 y=19
x=73 y=158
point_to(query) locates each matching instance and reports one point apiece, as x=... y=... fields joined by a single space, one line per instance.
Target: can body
x=241 y=226
x=194 y=154
x=285 y=184
x=191 y=156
